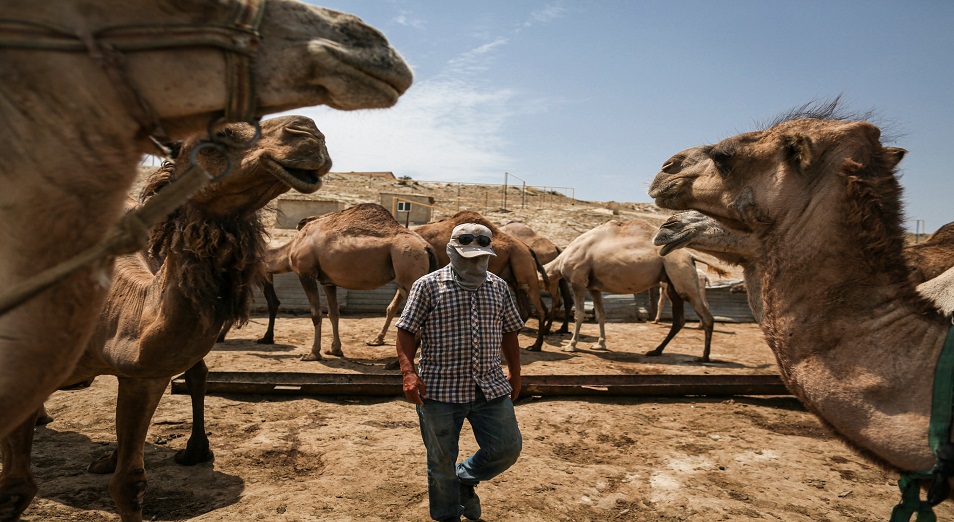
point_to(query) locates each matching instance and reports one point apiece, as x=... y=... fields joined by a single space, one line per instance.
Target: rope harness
x=239 y=41
x=939 y=437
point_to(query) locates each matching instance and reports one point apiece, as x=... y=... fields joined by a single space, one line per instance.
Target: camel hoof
x=43 y=420
x=265 y=340
x=336 y=353
x=13 y=503
x=375 y=342
x=569 y=348
x=190 y=457
x=702 y=359
x=653 y=353
x=311 y=356
x=103 y=465
x=598 y=347
x=533 y=348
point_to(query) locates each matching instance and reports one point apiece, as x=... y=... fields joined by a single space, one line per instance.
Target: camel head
x=290 y=154
x=684 y=230
x=304 y=56
x=751 y=181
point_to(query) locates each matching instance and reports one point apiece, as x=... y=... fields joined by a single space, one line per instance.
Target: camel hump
x=364 y=219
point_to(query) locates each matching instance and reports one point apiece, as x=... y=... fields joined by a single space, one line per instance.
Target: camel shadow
x=358 y=364
x=251 y=345
x=60 y=459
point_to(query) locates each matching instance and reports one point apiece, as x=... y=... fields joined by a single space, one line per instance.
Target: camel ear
x=800 y=150
x=894 y=155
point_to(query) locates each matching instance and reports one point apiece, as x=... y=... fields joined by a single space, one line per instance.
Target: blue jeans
x=495 y=429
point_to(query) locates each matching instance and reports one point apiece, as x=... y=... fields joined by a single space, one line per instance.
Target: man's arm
x=511 y=352
x=406 y=348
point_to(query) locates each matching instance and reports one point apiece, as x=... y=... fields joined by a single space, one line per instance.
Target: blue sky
x=595 y=95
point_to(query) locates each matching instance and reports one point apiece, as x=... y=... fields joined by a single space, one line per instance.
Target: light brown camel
x=157 y=325
x=931 y=257
x=359 y=248
x=545 y=251
x=76 y=123
x=619 y=257
x=853 y=339
x=514 y=262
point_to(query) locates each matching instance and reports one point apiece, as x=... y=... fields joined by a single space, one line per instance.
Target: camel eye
x=722 y=160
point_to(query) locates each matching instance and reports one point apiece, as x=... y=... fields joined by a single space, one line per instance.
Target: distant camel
x=514 y=262
x=618 y=257
x=931 y=257
x=545 y=251
x=360 y=248
x=854 y=340
x=80 y=104
x=157 y=325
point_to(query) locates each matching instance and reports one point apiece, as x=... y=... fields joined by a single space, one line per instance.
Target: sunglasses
x=466 y=239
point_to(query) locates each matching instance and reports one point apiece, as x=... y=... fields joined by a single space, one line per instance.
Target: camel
x=619 y=257
x=854 y=340
x=157 y=325
x=933 y=256
x=545 y=251
x=78 y=115
x=514 y=262
x=359 y=248
x=703 y=282
x=702 y=233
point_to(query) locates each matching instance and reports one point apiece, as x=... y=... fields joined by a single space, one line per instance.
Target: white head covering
x=469 y=261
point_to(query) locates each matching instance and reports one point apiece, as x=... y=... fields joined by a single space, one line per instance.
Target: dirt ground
x=299 y=458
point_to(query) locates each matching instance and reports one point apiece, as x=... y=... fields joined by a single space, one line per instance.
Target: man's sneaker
x=470 y=502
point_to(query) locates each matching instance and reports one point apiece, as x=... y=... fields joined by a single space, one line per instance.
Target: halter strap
x=239 y=40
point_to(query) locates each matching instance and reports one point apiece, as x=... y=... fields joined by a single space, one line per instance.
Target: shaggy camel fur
x=820 y=197
x=619 y=257
x=360 y=248
x=157 y=325
x=70 y=144
x=545 y=251
x=514 y=262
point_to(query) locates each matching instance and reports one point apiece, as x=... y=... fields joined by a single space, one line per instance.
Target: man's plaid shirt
x=461 y=334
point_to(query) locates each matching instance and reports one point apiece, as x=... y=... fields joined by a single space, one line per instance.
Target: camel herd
x=813 y=194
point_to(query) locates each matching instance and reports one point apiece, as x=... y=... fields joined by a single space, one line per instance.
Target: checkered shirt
x=461 y=334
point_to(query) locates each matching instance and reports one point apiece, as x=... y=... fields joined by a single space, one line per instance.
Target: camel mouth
x=670 y=240
x=365 y=86
x=305 y=181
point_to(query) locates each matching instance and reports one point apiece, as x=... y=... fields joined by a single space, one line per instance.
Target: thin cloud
x=545 y=15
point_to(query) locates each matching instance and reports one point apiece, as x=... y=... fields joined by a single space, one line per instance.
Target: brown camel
x=157 y=325
x=545 y=251
x=514 y=262
x=78 y=115
x=931 y=257
x=619 y=257
x=360 y=248
x=853 y=339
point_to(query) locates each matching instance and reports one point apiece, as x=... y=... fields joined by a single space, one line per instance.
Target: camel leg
x=271 y=299
x=702 y=296
x=17 y=487
x=661 y=302
x=197 y=449
x=310 y=285
x=331 y=293
x=224 y=331
x=678 y=320
x=399 y=298
x=600 y=313
x=567 y=307
x=542 y=313
x=708 y=324
x=135 y=406
x=579 y=313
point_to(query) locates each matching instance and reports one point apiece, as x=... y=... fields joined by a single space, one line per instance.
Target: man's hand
x=514 y=381
x=414 y=388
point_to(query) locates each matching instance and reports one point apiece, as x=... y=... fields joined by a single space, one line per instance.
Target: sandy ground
x=298 y=458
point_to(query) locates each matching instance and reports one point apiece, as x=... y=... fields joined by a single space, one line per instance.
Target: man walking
x=465 y=318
